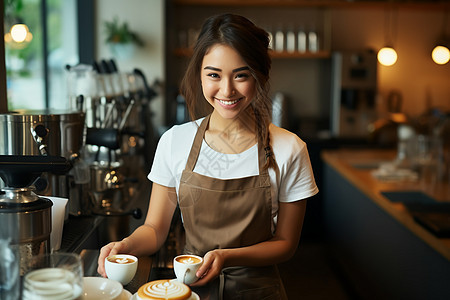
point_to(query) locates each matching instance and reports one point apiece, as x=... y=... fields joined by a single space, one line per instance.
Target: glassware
x=54 y=276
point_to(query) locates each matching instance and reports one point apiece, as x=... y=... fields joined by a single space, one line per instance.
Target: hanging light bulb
x=18 y=36
x=387 y=56
x=440 y=54
x=19 y=32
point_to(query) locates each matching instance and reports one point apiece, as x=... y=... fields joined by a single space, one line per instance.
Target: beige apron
x=228 y=214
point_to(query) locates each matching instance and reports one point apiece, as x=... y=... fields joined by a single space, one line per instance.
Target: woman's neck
x=231 y=135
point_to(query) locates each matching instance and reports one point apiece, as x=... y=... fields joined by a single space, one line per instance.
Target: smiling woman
x=241 y=183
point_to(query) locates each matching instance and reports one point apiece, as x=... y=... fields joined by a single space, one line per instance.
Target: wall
x=146 y=18
x=421 y=82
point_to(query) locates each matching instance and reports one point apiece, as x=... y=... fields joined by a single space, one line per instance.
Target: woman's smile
x=229 y=103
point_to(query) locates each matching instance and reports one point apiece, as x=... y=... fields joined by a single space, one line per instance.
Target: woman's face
x=227 y=83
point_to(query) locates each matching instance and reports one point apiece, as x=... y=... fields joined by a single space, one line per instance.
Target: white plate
x=97 y=288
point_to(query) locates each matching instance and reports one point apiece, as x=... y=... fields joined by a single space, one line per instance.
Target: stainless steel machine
x=20 y=205
x=353 y=93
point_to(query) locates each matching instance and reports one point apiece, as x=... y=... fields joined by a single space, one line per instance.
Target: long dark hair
x=252 y=43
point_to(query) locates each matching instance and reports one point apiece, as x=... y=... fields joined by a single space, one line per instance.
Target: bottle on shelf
x=290 y=41
x=313 y=41
x=301 y=41
x=279 y=40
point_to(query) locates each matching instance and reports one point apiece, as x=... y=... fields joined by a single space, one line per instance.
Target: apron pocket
x=262 y=293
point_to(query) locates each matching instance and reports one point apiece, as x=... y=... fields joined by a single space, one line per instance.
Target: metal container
x=57 y=133
x=34 y=218
x=60 y=132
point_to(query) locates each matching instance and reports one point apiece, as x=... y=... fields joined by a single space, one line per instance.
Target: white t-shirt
x=294 y=179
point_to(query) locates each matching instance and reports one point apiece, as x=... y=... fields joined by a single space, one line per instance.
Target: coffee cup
x=186 y=266
x=121 y=267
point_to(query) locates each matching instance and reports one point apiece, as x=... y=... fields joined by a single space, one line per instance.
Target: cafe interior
x=88 y=88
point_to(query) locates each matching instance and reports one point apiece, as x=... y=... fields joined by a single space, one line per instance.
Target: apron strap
x=196 y=146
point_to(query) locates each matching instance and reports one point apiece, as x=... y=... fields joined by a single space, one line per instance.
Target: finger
x=204 y=280
x=201 y=272
x=105 y=252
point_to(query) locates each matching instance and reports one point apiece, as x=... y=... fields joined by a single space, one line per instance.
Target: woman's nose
x=227 y=88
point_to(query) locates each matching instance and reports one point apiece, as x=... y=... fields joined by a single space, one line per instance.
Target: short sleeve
x=297 y=179
x=161 y=171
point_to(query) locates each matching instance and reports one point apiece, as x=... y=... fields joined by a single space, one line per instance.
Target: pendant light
x=441 y=52
x=18 y=36
x=387 y=56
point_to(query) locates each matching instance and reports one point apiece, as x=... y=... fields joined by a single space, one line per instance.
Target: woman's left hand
x=213 y=262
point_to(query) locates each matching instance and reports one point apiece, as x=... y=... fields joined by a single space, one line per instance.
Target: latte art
x=189 y=260
x=164 y=289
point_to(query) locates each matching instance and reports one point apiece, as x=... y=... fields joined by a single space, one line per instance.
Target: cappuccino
x=120 y=260
x=121 y=267
x=186 y=266
x=189 y=260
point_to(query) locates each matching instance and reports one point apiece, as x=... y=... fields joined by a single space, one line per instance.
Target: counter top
x=356 y=166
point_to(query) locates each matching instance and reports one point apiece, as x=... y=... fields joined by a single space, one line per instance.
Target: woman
x=237 y=178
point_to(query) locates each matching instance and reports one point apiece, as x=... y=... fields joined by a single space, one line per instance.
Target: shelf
x=285 y=54
x=185 y=52
x=440 y=4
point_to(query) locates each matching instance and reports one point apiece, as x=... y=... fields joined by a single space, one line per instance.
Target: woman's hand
x=112 y=248
x=213 y=262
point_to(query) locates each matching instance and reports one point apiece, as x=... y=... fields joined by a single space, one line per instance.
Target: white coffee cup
x=186 y=266
x=121 y=267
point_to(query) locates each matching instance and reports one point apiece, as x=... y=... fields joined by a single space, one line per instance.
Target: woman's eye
x=213 y=75
x=242 y=75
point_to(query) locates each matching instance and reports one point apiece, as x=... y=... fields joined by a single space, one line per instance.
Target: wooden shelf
x=411 y=4
x=285 y=54
x=186 y=52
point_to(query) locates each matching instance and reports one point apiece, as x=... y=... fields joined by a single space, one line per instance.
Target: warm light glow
x=19 y=33
x=440 y=55
x=387 y=56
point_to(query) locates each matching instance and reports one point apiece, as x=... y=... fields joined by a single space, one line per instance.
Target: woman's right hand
x=112 y=248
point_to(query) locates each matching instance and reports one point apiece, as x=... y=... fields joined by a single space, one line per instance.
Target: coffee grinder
x=19 y=202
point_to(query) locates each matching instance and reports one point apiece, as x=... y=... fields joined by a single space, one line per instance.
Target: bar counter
x=377 y=242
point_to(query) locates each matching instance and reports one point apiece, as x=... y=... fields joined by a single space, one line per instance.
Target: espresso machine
x=47 y=133
x=19 y=205
x=119 y=133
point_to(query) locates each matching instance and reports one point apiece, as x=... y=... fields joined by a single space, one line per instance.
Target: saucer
x=126 y=295
x=102 y=288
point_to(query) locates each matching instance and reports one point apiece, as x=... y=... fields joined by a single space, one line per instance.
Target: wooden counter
x=355 y=166
x=377 y=243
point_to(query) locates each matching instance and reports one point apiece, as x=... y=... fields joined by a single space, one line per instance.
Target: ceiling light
x=387 y=56
x=440 y=55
